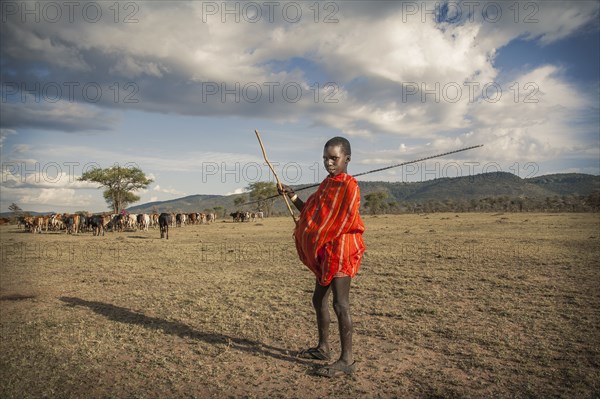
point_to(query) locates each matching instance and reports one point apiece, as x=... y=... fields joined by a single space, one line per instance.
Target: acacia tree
x=119 y=183
x=593 y=200
x=375 y=202
x=14 y=208
x=219 y=210
x=260 y=191
x=239 y=201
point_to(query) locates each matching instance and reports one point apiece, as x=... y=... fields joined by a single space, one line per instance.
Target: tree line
x=382 y=203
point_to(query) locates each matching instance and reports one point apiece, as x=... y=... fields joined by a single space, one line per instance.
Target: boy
x=329 y=241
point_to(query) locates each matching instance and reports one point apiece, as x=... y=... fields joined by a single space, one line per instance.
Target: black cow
x=238 y=216
x=140 y=221
x=96 y=222
x=69 y=221
x=164 y=220
x=116 y=223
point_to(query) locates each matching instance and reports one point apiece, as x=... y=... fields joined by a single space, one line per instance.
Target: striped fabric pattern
x=329 y=232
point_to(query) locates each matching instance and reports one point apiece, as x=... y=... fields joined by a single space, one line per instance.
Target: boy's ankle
x=346 y=360
x=324 y=348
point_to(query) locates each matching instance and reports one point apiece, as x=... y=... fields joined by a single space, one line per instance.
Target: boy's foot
x=336 y=369
x=314 y=354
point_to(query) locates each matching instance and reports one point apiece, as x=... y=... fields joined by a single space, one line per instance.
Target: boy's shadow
x=124 y=315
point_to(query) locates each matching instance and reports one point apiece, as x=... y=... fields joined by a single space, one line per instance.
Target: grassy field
x=445 y=306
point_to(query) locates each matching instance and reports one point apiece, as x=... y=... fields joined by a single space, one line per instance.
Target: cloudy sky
x=177 y=89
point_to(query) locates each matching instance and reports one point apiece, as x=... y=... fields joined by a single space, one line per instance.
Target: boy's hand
x=285 y=190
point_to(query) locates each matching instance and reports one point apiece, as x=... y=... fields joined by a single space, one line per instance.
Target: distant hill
x=10 y=214
x=477 y=187
x=468 y=187
x=190 y=203
x=489 y=185
x=567 y=183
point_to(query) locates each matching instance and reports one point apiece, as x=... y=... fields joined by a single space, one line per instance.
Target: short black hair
x=341 y=141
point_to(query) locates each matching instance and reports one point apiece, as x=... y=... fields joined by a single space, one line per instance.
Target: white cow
x=144 y=221
x=132 y=221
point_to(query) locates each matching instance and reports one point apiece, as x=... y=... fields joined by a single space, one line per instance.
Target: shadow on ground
x=124 y=315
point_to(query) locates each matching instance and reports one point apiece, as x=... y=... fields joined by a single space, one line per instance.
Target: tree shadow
x=124 y=315
x=16 y=297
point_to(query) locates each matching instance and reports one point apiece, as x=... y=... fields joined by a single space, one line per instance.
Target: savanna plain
x=445 y=306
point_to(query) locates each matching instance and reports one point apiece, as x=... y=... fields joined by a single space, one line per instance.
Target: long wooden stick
x=262 y=147
x=385 y=168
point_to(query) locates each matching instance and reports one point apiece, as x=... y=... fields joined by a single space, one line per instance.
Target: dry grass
x=445 y=306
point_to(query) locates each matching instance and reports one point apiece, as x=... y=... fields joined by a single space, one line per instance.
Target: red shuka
x=329 y=232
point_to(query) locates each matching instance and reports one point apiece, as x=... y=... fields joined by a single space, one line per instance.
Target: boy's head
x=336 y=155
x=342 y=142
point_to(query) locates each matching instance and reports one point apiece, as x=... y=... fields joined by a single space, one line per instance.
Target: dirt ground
x=445 y=306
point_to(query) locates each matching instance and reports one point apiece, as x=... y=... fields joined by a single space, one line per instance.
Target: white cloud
x=376 y=161
x=27 y=42
x=40 y=175
x=241 y=190
x=46 y=199
x=531 y=121
x=167 y=190
x=536 y=125
x=546 y=21
x=21 y=148
x=61 y=196
x=62 y=115
x=130 y=68
x=4 y=133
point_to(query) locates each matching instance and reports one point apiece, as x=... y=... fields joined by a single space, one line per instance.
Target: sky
x=178 y=88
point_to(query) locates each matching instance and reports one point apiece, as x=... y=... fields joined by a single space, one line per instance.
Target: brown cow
x=154 y=220
x=27 y=222
x=38 y=223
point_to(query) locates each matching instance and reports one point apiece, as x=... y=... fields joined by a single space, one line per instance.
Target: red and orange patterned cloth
x=329 y=232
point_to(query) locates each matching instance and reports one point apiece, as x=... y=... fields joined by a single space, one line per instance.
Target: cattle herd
x=241 y=216
x=99 y=223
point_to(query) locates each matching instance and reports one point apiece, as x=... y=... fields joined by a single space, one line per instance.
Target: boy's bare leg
x=320 y=297
x=341 y=305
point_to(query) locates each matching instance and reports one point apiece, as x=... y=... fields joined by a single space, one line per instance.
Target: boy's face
x=335 y=160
